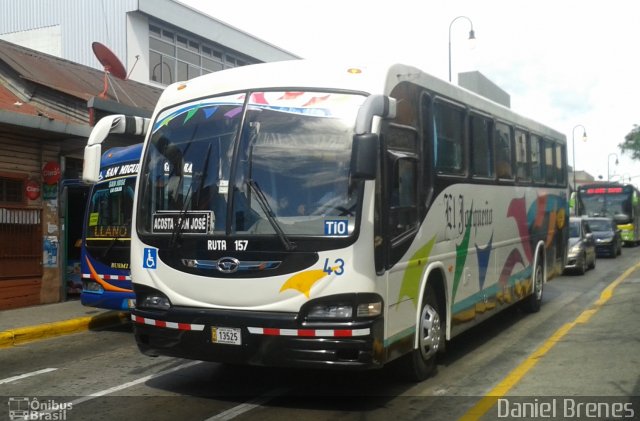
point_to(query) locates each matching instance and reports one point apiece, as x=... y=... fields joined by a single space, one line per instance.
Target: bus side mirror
x=364 y=156
x=375 y=105
x=91 y=164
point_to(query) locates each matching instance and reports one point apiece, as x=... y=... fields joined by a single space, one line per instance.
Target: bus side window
x=448 y=139
x=503 y=151
x=560 y=162
x=481 y=146
x=549 y=161
x=522 y=156
x=537 y=169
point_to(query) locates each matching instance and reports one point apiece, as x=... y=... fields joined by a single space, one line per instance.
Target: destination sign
x=108 y=231
x=119 y=171
x=189 y=222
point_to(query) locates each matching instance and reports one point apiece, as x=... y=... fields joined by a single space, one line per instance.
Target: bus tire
x=533 y=302
x=421 y=362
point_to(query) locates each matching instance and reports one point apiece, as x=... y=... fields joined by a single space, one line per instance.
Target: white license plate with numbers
x=226 y=335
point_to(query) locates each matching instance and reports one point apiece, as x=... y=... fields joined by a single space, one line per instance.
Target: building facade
x=53 y=88
x=157 y=41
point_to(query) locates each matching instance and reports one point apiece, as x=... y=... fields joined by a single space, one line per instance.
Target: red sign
x=602 y=190
x=51 y=172
x=33 y=189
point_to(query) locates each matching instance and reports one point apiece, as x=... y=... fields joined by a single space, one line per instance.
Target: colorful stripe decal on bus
x=413 y=273
x=462 y=250
x=483 y=261
x=107 y=286
x=303 y=281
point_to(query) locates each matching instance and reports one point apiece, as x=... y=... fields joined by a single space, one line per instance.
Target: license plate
x=226 y=335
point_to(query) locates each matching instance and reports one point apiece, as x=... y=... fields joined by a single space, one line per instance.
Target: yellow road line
x=490 y=399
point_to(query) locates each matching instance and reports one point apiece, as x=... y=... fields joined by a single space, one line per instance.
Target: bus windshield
x=252 y=164
x=609 y=205
x=109 y=219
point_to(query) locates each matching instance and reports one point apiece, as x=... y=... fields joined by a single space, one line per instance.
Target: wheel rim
x=431 y=332
x=538 y=282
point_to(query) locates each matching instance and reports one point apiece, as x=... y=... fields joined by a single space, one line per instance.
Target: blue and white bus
x=106 y=239
x=317 y=215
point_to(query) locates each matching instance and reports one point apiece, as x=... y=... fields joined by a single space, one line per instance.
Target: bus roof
x=121 y=154
x=376 y=78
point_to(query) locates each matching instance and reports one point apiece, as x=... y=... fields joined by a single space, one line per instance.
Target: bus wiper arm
x=112 y=243
x=176 y=235
x=264 y=204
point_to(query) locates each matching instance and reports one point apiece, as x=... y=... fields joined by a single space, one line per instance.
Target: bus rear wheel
x=421 y=362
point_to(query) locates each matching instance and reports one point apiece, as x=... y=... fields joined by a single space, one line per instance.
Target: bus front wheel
x=421 y=362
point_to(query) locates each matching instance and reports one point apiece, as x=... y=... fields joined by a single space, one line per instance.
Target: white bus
x=311 y=215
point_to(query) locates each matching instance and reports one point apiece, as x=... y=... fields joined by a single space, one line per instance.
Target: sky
x=572 y=65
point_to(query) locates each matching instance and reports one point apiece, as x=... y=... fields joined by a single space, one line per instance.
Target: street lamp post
x=472 y=37
x=573 y=147
x=609 y=156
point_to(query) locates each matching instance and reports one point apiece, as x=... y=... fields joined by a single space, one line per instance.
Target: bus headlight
x=343 y=307
x=330 y=312
x=370 y=309
x=154 y=301
x=92 y=286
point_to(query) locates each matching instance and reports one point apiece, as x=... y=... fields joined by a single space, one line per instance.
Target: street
x=101 y=375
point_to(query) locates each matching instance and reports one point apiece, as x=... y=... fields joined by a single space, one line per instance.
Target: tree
x=631 y=143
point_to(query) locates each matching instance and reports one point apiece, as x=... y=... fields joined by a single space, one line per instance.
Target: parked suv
x=582 y=246
x=607 y=235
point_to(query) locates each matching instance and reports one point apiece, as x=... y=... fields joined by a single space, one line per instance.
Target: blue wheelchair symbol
x=150 y=260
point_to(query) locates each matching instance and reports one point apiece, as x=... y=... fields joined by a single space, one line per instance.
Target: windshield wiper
x=113 y=242
x=271 y=217
x=203 y=175
x=176 y=234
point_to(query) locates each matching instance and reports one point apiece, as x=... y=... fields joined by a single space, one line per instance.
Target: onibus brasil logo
x=37 y=409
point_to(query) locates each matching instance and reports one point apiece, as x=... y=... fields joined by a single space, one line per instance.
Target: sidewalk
x=43 y=321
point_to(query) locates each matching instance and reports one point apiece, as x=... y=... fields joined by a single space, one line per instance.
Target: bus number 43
x=337 y=267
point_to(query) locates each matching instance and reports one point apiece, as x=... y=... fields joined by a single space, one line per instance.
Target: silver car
x=582 y=246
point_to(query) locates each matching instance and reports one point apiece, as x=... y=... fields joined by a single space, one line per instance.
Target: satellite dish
x=109 y=60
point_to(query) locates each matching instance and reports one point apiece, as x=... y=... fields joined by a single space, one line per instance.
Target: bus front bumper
x=267 y=339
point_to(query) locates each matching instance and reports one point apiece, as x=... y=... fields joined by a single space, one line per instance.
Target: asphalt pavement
x=596 y=349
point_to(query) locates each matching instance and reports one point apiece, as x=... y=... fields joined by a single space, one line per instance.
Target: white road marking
x=23 y=376
x=223 y=416
x=120 y=387
x=133 y=383
x=247 y=406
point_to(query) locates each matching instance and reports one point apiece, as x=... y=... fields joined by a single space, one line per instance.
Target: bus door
x=400 y=198
x=74 y=200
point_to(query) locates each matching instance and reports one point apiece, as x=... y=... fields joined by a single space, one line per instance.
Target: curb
x=21 y=335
